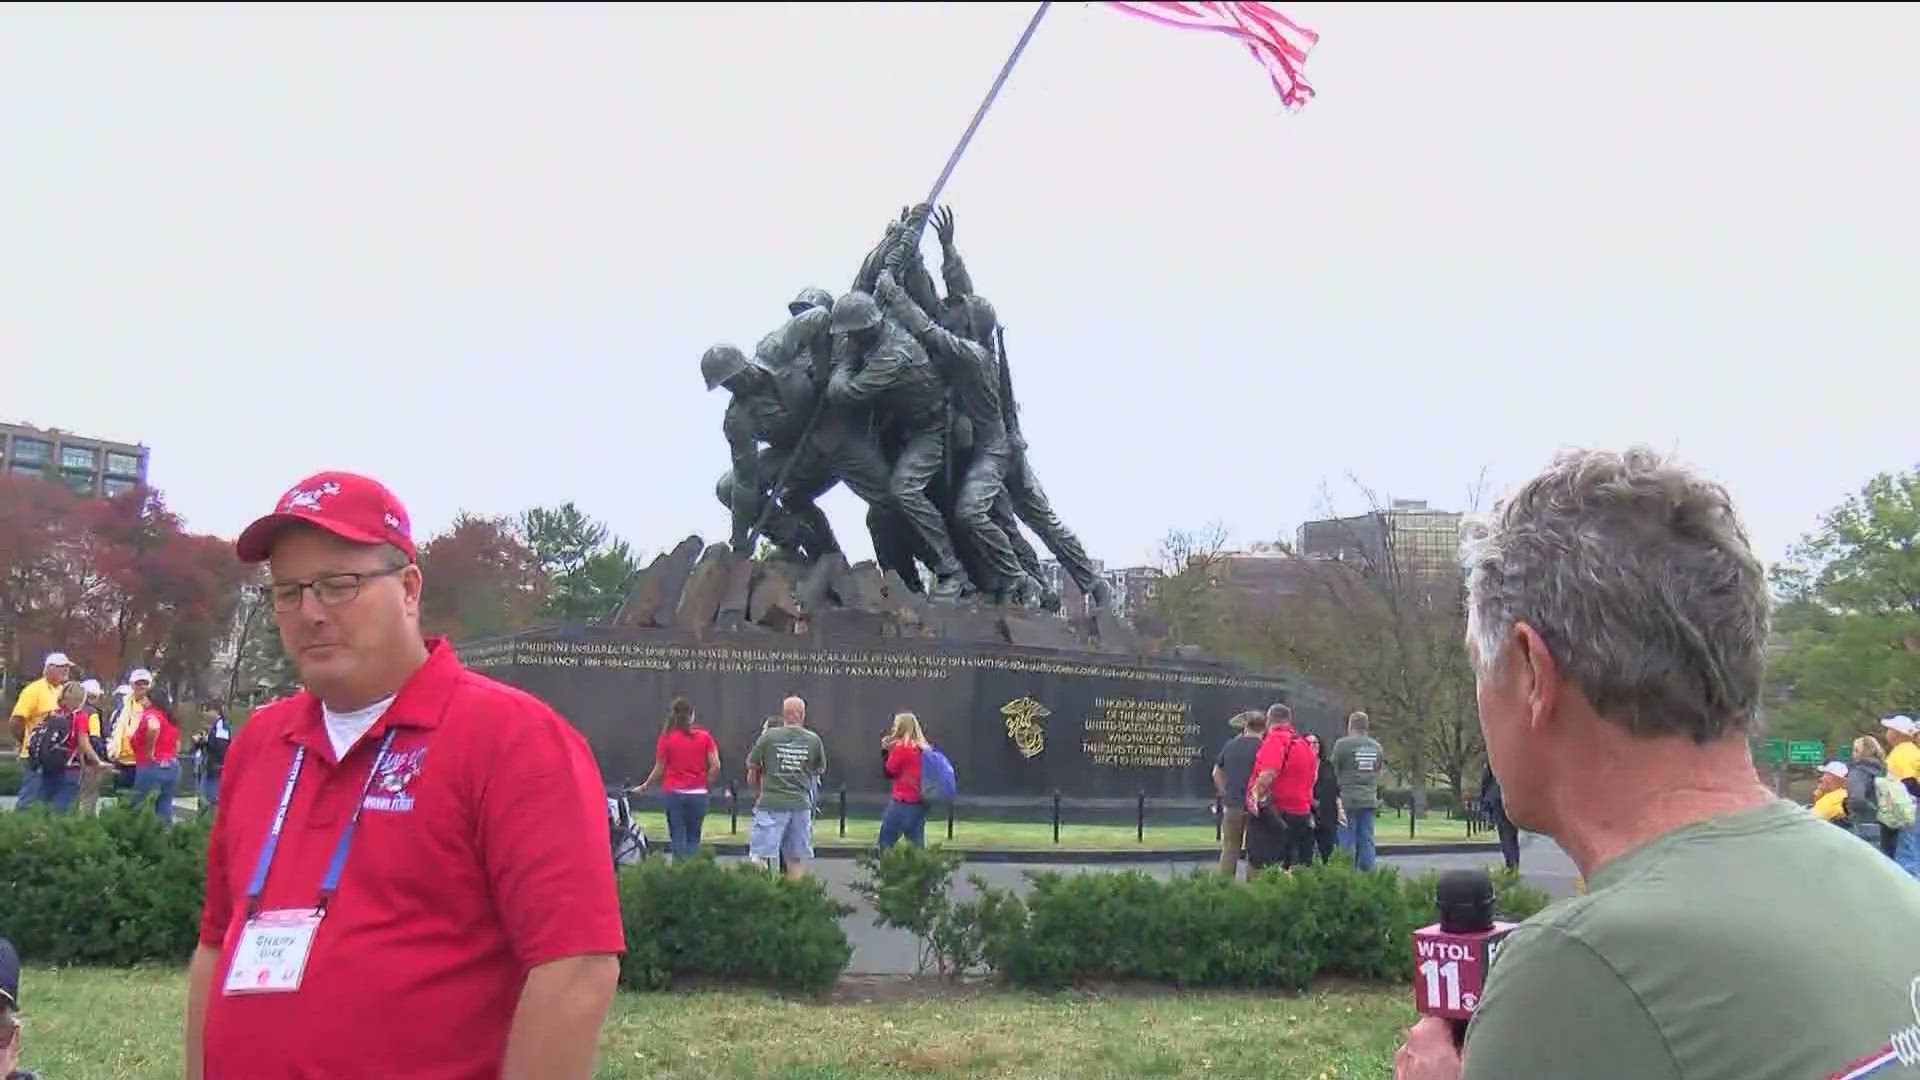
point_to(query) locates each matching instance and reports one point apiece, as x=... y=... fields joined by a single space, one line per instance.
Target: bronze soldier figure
x=879 y=366
x=971 y=372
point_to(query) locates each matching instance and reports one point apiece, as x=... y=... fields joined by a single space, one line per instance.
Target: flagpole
x=993 y=92
x=939 y=185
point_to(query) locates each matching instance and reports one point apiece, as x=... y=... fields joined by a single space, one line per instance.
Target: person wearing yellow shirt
x=36 y=700
x=1830 y=798
x=1903 y=764
x=132 y=707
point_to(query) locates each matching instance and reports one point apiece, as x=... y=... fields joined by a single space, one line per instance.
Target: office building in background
x=88 y=465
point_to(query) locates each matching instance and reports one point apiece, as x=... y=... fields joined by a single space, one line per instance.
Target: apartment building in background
x=1425 y=543
x=88 y=465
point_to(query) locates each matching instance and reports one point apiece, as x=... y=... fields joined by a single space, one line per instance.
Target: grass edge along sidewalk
x=861 y=1032
x=983 y=835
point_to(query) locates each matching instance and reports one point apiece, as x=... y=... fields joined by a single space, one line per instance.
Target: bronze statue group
x=904 y=396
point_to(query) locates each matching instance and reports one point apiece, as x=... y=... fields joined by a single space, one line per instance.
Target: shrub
x=909 y=888
x=117 y=889
x=10 y=769
x=697 y=919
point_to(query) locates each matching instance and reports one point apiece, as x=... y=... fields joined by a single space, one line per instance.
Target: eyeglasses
x=332 y=590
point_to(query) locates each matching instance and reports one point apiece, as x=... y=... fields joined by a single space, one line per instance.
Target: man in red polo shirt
x=408 y=873
x=1280 y=791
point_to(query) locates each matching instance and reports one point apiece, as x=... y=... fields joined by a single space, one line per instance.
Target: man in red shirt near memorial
x=408 y=873
x=1280 y=795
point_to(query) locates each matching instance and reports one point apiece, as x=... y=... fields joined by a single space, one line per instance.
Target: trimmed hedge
x=118 y=889
x=121 y=889
x=1202 y=930
x=10 y=770
x=700 y=920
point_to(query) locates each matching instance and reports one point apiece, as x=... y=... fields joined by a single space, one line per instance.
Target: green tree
x=1847 y=624
x=588 y=568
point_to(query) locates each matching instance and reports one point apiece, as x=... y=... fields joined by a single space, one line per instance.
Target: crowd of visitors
x=1288 y=800
x=75 y=742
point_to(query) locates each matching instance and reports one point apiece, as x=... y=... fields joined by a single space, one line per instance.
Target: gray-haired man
x=1617 y=624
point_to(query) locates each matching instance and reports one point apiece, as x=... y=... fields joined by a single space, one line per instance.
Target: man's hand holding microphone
x=1451 y=959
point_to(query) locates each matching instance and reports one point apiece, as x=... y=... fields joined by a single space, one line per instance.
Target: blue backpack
x=937 y=781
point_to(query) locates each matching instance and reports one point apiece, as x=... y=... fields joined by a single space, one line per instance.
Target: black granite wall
x=1019 y=723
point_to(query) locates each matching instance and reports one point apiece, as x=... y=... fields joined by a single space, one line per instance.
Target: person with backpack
x=1878 y=805
x=903 y=749
x=59 y=749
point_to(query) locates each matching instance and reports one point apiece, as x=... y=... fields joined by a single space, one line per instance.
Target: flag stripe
x=1280 y=44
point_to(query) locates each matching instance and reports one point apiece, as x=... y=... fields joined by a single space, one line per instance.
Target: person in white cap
x=37 y=699
x=120 y=743
x=1903 y=765
x=1830 y=797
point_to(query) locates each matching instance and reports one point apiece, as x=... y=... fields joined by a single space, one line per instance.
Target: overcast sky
x=479 y=255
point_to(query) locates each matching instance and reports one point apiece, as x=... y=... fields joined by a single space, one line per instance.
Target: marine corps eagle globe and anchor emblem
x=1025 y=725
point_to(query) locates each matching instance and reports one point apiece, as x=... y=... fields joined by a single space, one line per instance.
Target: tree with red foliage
x=481 y=579
x=116 y=583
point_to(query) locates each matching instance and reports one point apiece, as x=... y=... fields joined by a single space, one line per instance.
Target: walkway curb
x=1115 y=856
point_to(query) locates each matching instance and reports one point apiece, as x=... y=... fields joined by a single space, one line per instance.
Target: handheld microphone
x=1451 y=957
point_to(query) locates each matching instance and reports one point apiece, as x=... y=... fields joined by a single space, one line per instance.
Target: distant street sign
x=1772 y=752
x=1810 y=752
x=1843 y=754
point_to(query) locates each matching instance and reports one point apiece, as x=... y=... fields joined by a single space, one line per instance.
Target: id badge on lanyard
x=270 y=948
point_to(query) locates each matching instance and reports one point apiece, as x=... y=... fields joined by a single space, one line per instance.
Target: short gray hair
x=1638 y=576
x=1278 y=713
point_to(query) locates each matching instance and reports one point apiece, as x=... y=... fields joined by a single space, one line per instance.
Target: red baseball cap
x=351 y=507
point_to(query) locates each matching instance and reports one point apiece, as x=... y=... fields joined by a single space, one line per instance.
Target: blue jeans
x=908 y=819
x=1356 y=837
x=1906 y=850
x=209 y=793
x=160 y=781
x=685 y=814
x=32 y=790
x=62 y=791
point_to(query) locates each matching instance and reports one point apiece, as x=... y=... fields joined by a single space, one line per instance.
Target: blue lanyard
x=331 y=881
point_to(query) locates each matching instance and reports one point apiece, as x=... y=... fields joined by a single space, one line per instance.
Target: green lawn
x=98 y=1024
x=1028 y=836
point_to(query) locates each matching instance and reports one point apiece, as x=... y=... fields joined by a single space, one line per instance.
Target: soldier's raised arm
x=942 y=344
x=952 y=270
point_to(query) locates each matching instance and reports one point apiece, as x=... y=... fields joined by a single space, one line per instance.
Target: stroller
x=628 y=839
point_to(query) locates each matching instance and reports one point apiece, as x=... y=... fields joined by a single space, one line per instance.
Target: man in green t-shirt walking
x=786 y=764
x=1356 y=765
x=1617 y=627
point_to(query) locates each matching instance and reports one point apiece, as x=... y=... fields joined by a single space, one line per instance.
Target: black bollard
x=1219 y=818
x=1056 y=816
x=733 y=811
x=1140 y=820
x=949 y=821
x=843 y=811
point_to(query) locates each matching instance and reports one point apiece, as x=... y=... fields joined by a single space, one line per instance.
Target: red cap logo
x=352 y=507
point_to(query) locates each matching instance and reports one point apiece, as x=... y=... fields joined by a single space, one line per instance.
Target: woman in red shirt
x=685 y=761
x=906 y=815
x=156 y=755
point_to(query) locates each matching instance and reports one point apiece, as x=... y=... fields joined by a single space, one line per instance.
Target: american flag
x=1280 y=44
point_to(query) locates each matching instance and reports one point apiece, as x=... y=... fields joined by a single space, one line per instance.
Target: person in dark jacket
x=1495 y=806
x=1863 y=807
x=210 y=747
x=1326 y=801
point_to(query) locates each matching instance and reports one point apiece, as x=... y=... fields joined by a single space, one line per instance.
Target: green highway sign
x=1811 y=752
x=1771 y=752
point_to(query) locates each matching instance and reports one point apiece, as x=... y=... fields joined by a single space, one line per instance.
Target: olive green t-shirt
x=1762 y=945
x=1356 y=764
x=788 y=759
